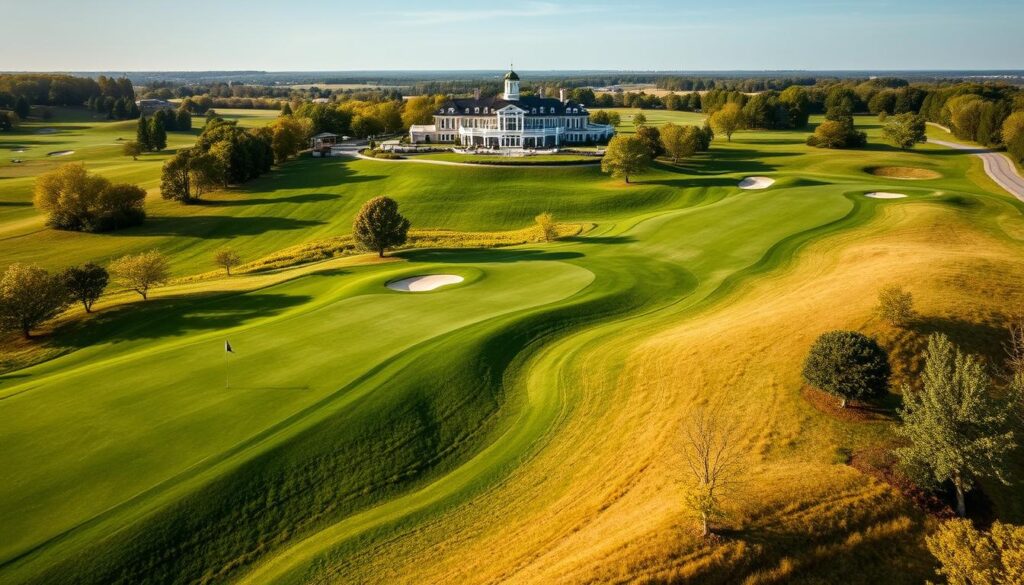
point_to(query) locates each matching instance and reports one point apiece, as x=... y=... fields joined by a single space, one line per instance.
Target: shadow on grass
x=301 y=198
x=599 y=239
x=484 y=255
x=214 y=226
x=310 y=173
x=174 y=317
x=15 y=204
x=976 y=338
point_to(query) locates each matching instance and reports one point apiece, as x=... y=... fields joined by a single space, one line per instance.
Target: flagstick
x=225 y=369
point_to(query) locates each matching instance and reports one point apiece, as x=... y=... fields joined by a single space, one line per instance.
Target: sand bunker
x=884 y=195
x=424 y=283
x=60 y=153
x=46 y=131
x=904 y=173
x=19 y=149
x=756 y=183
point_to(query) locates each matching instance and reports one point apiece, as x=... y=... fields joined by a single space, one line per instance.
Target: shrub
x=895 y=305
x=227 y=258
x=548 y=226
x=848 y=365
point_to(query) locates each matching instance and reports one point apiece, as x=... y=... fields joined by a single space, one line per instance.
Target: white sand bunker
x=756 y=183
x=46 y=131
x=884 y=195
x=424 y=283
x=20 y=149
x=61 y=153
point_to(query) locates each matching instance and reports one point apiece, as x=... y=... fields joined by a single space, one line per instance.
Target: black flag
x=227 y=346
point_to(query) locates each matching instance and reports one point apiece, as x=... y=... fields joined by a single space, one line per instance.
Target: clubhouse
x=511 y=122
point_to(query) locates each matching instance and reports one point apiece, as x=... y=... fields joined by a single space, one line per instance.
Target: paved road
x=997 y=165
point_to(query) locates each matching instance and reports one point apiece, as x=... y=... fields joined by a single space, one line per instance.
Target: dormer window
x=542 y=109
x=533 y=110
x=485 y=109
x=467 y=109
x=451 y=110
x=476 y=110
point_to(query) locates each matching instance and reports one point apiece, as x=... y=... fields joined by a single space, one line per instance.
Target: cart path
x=997 y=165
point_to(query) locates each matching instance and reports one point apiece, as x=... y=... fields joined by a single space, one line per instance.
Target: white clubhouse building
x=511 y=122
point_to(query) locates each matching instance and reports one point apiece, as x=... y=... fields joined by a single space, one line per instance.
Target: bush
x=837 y=134
x=29 y=296
x=848 y=365
x=548 y=226
x=895 y=305
x=969 y=556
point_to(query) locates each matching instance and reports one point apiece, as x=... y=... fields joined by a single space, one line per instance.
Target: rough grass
x=904 y=173
x=523 y=427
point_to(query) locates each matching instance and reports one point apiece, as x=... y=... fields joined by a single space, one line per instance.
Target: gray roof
x=551 y=106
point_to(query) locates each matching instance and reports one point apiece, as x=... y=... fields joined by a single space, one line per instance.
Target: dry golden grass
x=612 y=512
x=904 y=173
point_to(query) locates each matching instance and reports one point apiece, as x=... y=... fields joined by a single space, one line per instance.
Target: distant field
x=345 y=86
x=520 y=426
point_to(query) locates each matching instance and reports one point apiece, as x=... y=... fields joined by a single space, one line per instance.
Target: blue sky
x=306 y=35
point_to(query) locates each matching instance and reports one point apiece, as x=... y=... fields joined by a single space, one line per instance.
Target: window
x=533 y=110
x=467 y=109
x=451 y=110
x=542 y=109
x=476 y=110
x=485 y=109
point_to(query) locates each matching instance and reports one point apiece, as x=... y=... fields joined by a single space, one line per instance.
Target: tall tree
x=956 y=430
x=142 y=134
x=969 y=556
x=158 y=132
x=379 y=226
x=22 y=108
x=639 y=120
x=29 y=296
x=85 y=283
x=625 y=156
x=728 y=120
x=680 y=141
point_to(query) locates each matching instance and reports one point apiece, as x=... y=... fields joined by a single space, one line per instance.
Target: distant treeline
x=44 y=89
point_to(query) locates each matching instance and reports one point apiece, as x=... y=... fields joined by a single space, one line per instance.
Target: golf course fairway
x=519 y=424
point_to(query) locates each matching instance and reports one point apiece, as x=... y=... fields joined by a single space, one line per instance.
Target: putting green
x=528 y=411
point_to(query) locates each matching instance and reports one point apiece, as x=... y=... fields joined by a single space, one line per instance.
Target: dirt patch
x=880 y=463
x=855 y=409
x=909 y=173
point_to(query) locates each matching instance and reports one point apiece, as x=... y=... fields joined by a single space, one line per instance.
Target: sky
x=676 y=35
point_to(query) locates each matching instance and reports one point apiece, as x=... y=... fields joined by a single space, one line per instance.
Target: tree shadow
x=484 y=255
x=976 y=338
x=301 y=198
x=310 y=173
x=15 y=204
x=161 y=318
x=214 y=226
x=599 y=239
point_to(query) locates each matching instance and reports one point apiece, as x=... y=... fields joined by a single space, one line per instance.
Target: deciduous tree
x=85 y=283
x=141 y=272
x=29 y=296
x=625 y=156
x=904 y=130
x=969 y=556
x=680 y=141
x=728 y=120
x=75 y=199
x=379 y=226
x=189 y=174
x=713 y=466
x=132 y=149
x=895 y=305
x=226 y=259
x=639 y=120
x=955 y=428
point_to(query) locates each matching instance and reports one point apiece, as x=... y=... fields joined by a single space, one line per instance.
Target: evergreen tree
x=184 y=120
x=133 y=110
x=22 y=108
x=120 y=109
x=142 y=134
x=286 y=110
x=379 y=226
x=157 y=133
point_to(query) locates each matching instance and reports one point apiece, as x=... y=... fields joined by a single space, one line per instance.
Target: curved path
x=997 y=165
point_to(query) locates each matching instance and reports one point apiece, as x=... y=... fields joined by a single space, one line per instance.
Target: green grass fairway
x=520 y=426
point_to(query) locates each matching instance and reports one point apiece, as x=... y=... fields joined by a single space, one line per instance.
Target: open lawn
x=520 y=426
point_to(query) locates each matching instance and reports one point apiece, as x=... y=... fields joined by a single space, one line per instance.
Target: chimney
x=476 y=93
x=562 y=96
